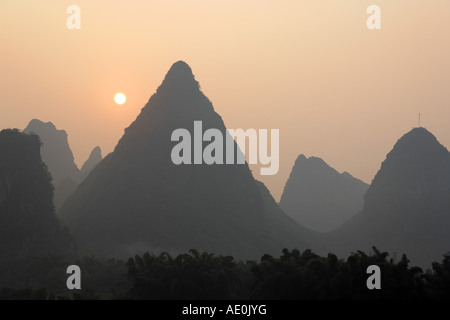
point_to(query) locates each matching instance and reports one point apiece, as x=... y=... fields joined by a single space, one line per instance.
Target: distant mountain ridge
x=320 y=198
x=58 y=157
x=94 y=159
x=137 y=200
x=56 y=152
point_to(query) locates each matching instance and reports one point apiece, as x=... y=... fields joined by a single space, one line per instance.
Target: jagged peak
x=37 y=124
x=94 y=158
x=95 y=152
x=311 y=161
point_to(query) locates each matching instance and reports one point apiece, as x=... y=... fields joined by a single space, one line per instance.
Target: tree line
x=294 y=275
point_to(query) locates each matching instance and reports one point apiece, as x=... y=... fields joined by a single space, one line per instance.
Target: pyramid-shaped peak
x=215 y=208
x=97 y=151
x=418 y=141
x=180 y=76
x=419 y=133
x=180 y=70
x=94 y=159
x=95 y=156
x=301 y=157
x=181 y=67
x=417 y=162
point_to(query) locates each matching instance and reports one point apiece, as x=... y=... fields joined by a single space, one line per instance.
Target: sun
x=120 y=98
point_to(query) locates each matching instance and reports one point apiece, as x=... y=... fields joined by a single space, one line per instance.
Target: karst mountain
x=138 y=200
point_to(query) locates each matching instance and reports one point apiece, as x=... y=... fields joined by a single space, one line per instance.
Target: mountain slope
x=407 y=207
x=56 y=152
x=58 y=157
x=320 y=198
x=28 y=224
x=137 y=199
x=94 y=159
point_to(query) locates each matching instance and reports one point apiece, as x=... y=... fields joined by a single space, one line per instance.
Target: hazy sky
x=310 y=68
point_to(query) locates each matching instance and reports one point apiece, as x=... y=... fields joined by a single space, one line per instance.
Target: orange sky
x=309 y=68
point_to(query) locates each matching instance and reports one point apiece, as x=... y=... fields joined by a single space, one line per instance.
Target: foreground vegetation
x=194 y=275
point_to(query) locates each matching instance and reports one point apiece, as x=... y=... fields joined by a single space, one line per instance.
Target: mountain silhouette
x=58 y=157
x=69 y=185
x=138 y=200
x=407 y=207
x=56 y=152
x=94 y=159
x=320 y=198
x=28 y=224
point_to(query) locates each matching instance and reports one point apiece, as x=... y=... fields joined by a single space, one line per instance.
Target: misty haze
x=119 y=164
